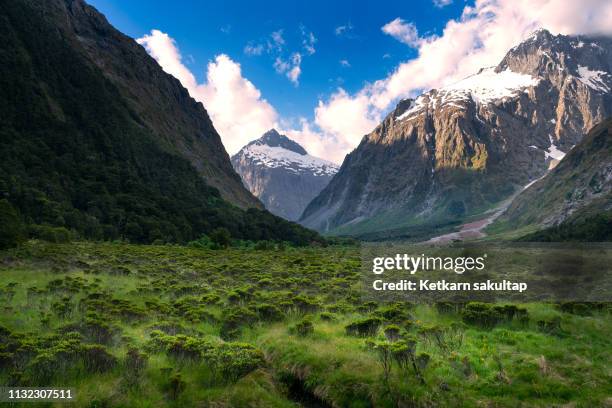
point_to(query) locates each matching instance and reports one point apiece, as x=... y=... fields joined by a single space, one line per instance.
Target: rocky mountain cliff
x=96 y=138
x=578 y=188
x=458 y=150
x=282 y=174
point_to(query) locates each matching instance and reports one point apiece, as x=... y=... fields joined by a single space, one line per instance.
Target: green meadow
x=152 y=326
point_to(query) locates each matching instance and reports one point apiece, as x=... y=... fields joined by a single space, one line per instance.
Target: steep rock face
x=579 y=187
x=282 y=174
x=458 y=150
x=158 y=99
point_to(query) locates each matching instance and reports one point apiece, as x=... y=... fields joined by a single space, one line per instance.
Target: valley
x=142 y=325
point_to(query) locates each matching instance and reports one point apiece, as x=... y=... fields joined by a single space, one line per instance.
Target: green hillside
x=573 y=201
x=75 y=154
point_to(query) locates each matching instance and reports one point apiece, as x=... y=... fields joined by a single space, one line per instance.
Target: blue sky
x=326 y=72
x=204 y=29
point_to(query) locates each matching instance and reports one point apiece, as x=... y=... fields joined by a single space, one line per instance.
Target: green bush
x=47 y=233
x=302 y=328
x=221 y=237
x=481 y=314
x=11 y=227
x=363 y=328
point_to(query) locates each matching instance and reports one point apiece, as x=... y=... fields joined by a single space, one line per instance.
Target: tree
x=11 y=227
x=221 y=237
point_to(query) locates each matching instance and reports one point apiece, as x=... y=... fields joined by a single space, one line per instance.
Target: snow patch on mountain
x=593 y=79
x=277 y=156
x=488 y=85
x=484 y=87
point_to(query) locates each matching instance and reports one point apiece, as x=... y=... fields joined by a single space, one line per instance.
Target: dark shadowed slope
x=96 y=137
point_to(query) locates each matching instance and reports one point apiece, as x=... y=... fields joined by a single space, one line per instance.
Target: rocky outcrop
x=458 y=150
x=282 y=174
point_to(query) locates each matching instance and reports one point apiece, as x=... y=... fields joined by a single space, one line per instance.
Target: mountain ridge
x=457 y=151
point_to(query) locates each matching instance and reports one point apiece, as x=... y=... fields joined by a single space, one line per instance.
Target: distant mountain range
x=458 y=151
x=97 y=138
x=282 y=174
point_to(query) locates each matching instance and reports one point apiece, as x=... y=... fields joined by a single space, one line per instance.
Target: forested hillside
x=75 y=154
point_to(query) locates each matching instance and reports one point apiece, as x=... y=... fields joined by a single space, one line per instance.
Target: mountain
x=97 y=138
x=282 y=174
x=568 y=200
x=458 y=151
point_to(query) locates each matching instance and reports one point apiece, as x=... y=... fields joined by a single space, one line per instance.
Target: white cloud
x=251 y=49
x=479 y=38
x=402 y=31
x=291 y=68
x=442 y=3
x=276 y=41
x=237 y=109
x=345 y=63
x=346 y=118
x=308 y=40
x=344 y=30
x=235 y=105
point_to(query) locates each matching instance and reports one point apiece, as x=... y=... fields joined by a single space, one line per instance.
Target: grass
x=213 y=328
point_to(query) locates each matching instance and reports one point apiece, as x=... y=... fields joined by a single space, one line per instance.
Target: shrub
x=302 y=328
x=481 y=314
x=97 y=359
x=447 y=339
x=364 y=327
x=551 y=326
x=264 y=245
x=135 y=362
x=11 y=230
x=221 y=237
x=384 y=354
x=404 y=354
x=444 y=308
x=394 y=313
x=176 y=386
x=268 y=312
x=235 y=360
x=327 y=316
x=392 y=332
x=306 y=304
x=56 y=235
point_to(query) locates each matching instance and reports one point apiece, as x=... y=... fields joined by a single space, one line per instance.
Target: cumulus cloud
x=479 y=38
x=402 y=31
x=235 y=105
x=345 y=63
x=238 y=110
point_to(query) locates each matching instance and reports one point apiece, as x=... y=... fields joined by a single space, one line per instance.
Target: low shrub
x=58 y=235
x=302 y=328
x=363 y=328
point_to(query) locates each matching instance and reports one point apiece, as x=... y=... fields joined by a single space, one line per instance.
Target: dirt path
x=475 y=229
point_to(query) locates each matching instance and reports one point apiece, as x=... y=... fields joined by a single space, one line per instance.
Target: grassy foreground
x=143 y=326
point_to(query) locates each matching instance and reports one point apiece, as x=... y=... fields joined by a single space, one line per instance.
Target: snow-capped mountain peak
x=282 y=174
